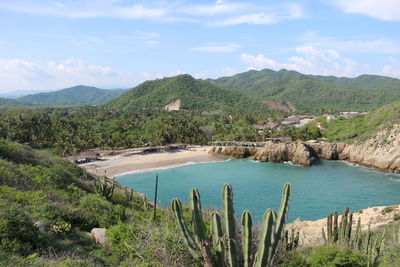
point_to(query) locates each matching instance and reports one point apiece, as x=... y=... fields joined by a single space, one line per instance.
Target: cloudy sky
x=53 y=44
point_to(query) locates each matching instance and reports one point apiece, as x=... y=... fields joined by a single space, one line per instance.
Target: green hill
x=11 y=102
x=192 y=94
x=364 y=126
x=74 y=96
x=313 y=93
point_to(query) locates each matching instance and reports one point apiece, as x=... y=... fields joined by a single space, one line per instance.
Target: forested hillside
x=193 y=94
x=364 y=126
x=11 y=102
x=74 y=96
x=311 y=93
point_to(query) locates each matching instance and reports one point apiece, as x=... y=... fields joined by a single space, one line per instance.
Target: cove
x=316 y=191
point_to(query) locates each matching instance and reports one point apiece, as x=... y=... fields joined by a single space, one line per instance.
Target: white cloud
x=307 y=60
x=227 y=72
x=220 y=7
x=380 y=9
x=265 y=15
x=358 y=44
x=17 y=74
x=216 y=14
x=218 y=48
x=392 y=69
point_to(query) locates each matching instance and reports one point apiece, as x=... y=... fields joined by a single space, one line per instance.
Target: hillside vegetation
x=12 y=102
x=364 y=126
x=74 y=96
x=193 y=94
x=48 y=206
x=311 y=93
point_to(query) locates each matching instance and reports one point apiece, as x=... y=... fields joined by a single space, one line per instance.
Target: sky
x=54 y=44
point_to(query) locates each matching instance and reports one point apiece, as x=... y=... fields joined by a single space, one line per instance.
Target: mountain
x=11 y=102
x=313 y=93
x=74 y=96
x=181 y=92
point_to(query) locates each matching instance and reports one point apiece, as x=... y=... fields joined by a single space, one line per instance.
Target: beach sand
x=127 y=162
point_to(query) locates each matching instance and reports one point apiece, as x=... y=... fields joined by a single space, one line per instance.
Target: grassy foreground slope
x=311 y=93
x=364 y=126
x=48 y=207
x=74 y=96
x=194 y=95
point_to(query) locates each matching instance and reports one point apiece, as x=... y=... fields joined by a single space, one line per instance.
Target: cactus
x=292 y=241
x=224 y=243
x=217 y=235
x=247 y=235
x=103 y=189
x=229 y=225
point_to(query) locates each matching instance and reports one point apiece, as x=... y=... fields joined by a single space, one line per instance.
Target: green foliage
x=74 y=96
x=336 y=257
x=363 y=126
x=311 y=93
x=194 y=95
x=18 y=234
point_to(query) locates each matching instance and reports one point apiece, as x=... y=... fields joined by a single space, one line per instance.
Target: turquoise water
x=316 y=190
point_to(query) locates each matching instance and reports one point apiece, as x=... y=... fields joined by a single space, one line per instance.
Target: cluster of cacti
x=339 y=233
x=222 y=248
x=373 y=245
x=342 y=234
x=104 y=189
x=291 y=241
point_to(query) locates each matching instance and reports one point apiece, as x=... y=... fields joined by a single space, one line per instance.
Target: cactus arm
x=281 y=217
x=197 y=217
x=283 y=210
x=324 y=235
x=229 y=225
x=246 y=224
x=216 y=233
x=188 y=237
x=267 y=235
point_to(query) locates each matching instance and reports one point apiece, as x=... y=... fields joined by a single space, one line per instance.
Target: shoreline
x=126 y=162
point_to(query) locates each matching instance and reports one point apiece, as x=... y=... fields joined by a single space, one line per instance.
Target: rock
x=99 y=235
x=381 y=151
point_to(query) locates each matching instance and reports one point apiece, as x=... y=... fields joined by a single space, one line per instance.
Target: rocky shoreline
x=381 y=152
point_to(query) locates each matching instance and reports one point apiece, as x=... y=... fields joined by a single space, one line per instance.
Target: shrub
x=336 y=257
x=17 y=232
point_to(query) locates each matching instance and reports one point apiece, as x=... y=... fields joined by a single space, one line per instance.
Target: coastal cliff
x=381 y=152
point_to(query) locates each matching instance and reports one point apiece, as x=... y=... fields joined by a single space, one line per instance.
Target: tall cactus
x=229 y=225
x=247 y=235
x=103 y=189
x=223 y=235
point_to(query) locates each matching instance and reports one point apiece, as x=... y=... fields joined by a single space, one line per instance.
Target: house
x=85 y=157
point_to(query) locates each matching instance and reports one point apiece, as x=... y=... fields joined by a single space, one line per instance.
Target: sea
x=325 y=187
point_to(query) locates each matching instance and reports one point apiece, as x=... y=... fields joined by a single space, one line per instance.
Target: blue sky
x=52 y=44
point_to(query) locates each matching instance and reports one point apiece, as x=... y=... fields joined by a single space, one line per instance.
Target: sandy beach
x=126 y=162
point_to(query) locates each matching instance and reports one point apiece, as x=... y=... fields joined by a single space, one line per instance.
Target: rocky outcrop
x=381 y=152
x=297 y=153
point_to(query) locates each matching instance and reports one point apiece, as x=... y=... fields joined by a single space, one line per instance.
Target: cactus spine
x=223 y=234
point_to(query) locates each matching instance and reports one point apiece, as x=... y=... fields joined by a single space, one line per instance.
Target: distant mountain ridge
x=193 y=94
x=314 y=92
x=73 y=96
